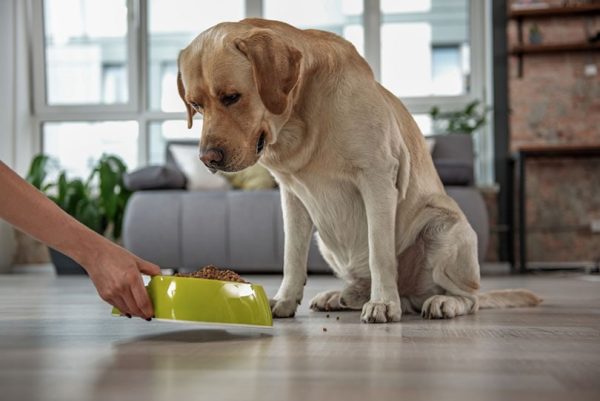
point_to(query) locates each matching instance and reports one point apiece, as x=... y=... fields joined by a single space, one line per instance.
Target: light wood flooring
x=59 y=342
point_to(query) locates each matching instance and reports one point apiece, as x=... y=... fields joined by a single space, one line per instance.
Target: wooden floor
x=59 y=342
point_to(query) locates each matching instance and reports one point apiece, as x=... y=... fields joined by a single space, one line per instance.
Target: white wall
x=16 y=138
x=6 y=115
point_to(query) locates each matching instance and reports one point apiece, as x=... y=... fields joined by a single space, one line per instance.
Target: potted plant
x=98 y=202
x=465 y=121
x=535 y=35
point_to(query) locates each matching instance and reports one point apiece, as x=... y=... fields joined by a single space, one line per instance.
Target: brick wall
x=554 y=103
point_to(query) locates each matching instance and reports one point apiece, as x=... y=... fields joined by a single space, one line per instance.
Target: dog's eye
x=228 y=100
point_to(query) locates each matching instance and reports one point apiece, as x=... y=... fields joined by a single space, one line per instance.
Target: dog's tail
x=508 y=299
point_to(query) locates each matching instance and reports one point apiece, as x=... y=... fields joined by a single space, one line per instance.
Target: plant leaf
x=38 y=170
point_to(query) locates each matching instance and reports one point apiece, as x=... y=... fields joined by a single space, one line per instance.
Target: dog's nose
x=212 y=157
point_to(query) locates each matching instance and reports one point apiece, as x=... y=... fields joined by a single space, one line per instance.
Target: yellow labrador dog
x=350 y=162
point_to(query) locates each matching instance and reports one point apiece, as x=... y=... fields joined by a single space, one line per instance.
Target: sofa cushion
x=454 y=172
x=154 y=177
x=204 y=237
x=253 y=178
x=151 y=229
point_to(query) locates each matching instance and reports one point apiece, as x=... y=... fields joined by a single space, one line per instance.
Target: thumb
x=148 y=268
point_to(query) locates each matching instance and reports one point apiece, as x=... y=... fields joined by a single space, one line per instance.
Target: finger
x=118 y=303
x=148 y=268
x=140 y=295
x=131 y=305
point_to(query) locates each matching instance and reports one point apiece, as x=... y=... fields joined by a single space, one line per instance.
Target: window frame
x=137 y=107
x=40 y=102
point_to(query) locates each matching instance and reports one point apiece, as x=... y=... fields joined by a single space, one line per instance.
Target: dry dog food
x=214 y=273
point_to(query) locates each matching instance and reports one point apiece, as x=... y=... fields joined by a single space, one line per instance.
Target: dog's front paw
x=381 y=312
x=283 y=307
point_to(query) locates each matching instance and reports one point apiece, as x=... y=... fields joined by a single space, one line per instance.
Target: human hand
x=114 y=271
x=116 y=274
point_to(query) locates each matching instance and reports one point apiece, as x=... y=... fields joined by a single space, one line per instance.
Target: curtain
x=17 y=138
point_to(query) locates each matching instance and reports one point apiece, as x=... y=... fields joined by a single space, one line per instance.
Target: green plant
x=466 y=121
x=38 y=171
x=98 y=202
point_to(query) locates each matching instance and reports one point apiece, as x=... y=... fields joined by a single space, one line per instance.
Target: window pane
x=343 y=17
x=395 y=6
x=425 y=47
x=172 y=25
x=424 y=122
x=78 y=145
x=171 y=130
x=86 y=51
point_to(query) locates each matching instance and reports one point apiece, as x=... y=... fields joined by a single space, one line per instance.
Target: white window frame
x=39 y=67
x=136 y=109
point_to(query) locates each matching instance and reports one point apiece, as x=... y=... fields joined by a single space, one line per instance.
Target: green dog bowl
x=197 y=300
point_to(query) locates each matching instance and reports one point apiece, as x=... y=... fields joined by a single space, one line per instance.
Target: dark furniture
x=545 y=151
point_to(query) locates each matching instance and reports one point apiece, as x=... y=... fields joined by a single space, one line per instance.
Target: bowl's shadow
x=177 y=362
x=195 y=336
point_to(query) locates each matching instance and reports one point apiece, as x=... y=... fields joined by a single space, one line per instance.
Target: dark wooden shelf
x=555 y=11
x=554 y=48
x=566 y=149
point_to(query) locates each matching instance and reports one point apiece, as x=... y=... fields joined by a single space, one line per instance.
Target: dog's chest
x=337 y=211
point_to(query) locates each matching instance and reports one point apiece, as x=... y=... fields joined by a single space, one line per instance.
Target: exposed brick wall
x=555 y=103
x=563 y=195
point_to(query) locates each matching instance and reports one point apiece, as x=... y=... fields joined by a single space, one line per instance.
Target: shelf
x=554 y=48
x=565 y=150
x=521 y=14
x=555 y=11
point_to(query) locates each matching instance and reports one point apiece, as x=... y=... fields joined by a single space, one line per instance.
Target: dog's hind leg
x=353 y=297
x=451 y=257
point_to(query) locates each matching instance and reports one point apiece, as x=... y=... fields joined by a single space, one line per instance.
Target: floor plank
x=59 y=342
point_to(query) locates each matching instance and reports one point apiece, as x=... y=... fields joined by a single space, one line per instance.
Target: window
x=105 y=70
x=170 y=130
x=425 y=123
x=86 y=57
x=78 y=145
x=425 y=47
x=343 y=17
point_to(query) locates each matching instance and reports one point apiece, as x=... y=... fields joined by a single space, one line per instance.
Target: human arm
x=114 y=271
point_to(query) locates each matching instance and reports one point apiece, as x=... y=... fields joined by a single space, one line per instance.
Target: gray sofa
x=243 y=230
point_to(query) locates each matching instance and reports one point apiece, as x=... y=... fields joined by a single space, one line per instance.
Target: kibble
x=211 y=272
x=337 y=318
x=327 y=316
x=324 y=328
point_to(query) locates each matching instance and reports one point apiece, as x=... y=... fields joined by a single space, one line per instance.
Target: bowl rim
x=200 y=279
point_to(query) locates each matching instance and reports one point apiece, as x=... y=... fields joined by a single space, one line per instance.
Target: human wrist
x=89 y=247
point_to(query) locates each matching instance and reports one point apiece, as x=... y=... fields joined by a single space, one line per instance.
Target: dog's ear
x=181 y=90
x=190 y=109
x=275 y=65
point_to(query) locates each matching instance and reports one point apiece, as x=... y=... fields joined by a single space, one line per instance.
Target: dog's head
x=239 y=78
